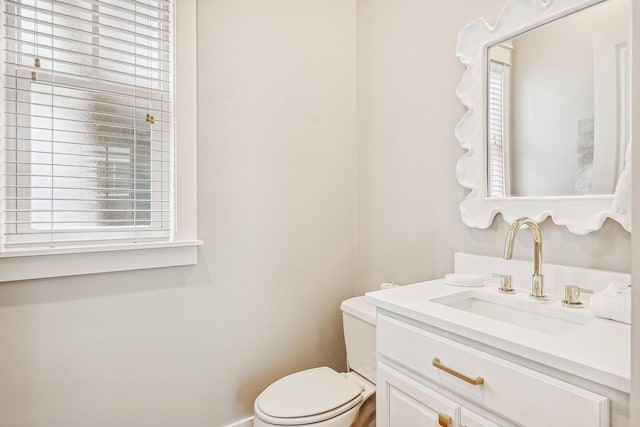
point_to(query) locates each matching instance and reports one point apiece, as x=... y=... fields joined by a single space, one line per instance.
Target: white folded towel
x=621 y=206
x=614 y=303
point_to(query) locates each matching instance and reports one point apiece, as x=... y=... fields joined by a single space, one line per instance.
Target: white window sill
x=77 y=260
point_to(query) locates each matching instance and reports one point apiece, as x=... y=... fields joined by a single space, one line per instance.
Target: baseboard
x=247 y=422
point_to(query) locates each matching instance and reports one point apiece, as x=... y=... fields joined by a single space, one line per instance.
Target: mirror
x=557 y=105
x=547 y=126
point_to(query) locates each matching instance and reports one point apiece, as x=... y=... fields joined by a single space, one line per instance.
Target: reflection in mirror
x=557 y=113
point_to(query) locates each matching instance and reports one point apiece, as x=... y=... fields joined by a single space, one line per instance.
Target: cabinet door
x=471 y=419
x=403 y=402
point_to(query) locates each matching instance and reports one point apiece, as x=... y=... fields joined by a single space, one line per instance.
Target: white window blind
x=88 y=122
x=496 y=130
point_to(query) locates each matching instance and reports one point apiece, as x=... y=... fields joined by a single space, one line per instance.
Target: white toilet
x=323 y=397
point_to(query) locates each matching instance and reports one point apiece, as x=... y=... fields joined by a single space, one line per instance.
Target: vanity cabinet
x=427 y=379
x=403 y=401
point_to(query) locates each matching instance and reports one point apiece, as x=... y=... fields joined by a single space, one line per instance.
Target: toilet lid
x=307 y=393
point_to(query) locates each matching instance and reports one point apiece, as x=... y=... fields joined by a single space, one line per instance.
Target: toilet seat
x=308 y=397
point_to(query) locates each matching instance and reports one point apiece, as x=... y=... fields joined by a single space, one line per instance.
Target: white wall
x=276 y=143
x=408 y=221
x=193 y=346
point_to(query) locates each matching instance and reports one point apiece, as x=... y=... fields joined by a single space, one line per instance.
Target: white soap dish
x=465 y=280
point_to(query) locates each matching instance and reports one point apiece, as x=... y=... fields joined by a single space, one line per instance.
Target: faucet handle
x=505 y=283
x=572 y=296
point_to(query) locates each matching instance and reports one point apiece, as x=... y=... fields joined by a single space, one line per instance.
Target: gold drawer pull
x=444 y=420
x=475 y=381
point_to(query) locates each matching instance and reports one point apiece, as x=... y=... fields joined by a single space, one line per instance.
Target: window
x=498 y=120
x=88 y=114
x=90 y=182
x=496 y=130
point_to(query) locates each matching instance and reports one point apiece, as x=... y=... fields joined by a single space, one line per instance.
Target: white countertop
x=598 y=350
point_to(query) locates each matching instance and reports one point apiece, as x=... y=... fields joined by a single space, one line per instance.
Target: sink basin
x=546 y=317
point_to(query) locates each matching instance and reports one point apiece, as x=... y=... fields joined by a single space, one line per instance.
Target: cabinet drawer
x=515 y=392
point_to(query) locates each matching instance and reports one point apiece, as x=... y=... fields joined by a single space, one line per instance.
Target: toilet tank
x=359 y=322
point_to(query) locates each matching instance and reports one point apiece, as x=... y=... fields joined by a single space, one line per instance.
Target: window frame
x=101 y=257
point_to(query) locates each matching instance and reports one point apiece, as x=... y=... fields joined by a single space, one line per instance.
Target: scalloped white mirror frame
x=580 y=214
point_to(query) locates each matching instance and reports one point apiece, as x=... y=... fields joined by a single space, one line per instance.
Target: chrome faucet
x=537 y=286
